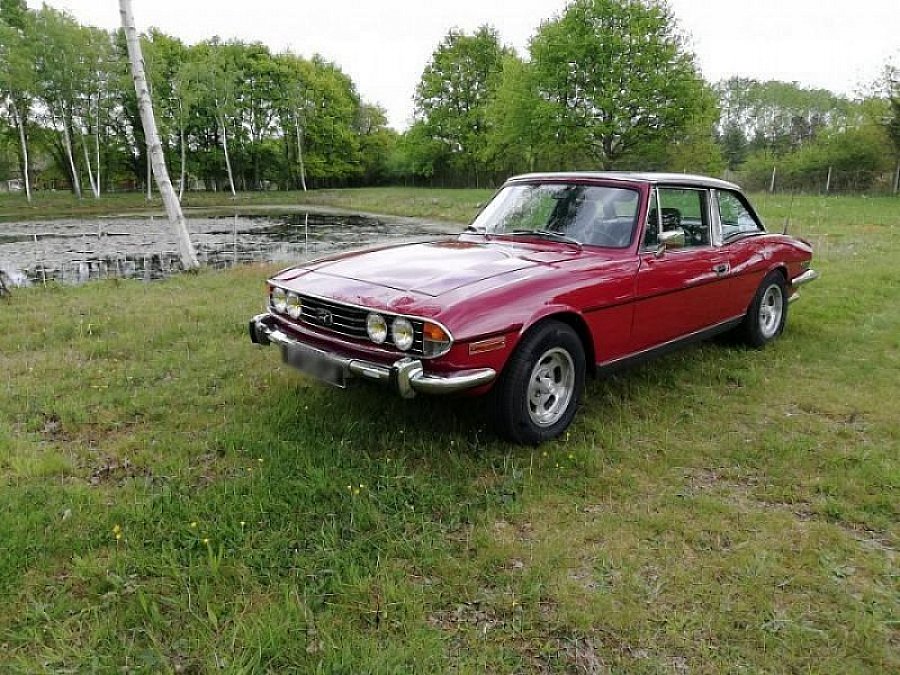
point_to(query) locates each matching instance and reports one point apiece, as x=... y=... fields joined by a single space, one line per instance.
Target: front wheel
x=540 y=388
x=767 y=313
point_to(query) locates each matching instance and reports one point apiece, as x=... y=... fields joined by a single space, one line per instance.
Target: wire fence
x=824 y=181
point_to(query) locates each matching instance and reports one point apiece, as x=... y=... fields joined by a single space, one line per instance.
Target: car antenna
x=787 y=221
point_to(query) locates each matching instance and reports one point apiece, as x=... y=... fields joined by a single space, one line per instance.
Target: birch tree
x=173 y=207
x=16 y=84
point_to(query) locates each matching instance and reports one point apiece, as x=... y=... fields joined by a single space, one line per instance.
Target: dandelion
x=243 y=522
x=355 y=491
x=260 y=460
x=206 y=540
x=544 y=453
x=118 y=536
x=193 y=524
x=117 y=529
x=571 y=456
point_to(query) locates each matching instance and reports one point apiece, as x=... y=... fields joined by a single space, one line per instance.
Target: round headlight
x=402 y=332
x=377 y=328
x=294 y=305
x=279 y=299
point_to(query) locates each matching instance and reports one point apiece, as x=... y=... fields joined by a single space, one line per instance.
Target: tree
x=17 y=80
x=616 y=76
x=173 y=208
x=453 y=94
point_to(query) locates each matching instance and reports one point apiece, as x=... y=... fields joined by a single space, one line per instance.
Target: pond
x=143 y=247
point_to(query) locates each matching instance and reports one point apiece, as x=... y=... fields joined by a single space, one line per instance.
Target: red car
x=560 y=275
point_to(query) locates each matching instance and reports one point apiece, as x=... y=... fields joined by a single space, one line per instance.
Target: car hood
x=432 y=268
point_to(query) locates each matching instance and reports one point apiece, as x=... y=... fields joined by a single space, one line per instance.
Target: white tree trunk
x=76 y=183
x=183 y=164
x=148 y=121
x=227 y=158
x=300 y=155
x=20 y=123
x=87 y=163
x=97 y=143
x=149 y=174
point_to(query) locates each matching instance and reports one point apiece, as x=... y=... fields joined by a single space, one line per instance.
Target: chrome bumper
x=797 y=282
x=406 y=375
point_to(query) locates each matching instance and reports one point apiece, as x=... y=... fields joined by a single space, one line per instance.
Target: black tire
x=767 y=313
x=552 y=349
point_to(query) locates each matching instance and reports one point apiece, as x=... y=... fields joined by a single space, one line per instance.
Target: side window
x=678 y=208
x=735 y=217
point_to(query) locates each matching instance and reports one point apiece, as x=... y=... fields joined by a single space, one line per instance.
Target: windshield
x=588 y=214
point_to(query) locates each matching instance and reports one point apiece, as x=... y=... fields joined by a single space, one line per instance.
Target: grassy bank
x=455 y=205
x=174 y=499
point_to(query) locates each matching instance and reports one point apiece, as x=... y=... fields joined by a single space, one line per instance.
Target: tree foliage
x=616 y=77
x=453 y=94
x=71 y=86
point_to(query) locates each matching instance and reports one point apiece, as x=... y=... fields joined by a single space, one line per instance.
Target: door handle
x=721 y=269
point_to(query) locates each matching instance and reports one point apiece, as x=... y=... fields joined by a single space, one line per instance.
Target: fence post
x=772 y=182
x=828 y=181
x=897 y=179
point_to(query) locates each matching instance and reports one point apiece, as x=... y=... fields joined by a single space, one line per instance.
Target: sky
x=384 y=45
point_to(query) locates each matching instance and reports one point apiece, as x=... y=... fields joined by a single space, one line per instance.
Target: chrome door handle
x=721 y=268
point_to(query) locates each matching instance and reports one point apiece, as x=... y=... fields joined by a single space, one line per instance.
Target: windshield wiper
x=550 y=234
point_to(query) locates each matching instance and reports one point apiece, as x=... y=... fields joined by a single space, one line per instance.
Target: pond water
x=75 y=251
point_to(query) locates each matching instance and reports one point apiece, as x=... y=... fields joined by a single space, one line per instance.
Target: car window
x=593 y=215
x=735 y=216
x=678 y=208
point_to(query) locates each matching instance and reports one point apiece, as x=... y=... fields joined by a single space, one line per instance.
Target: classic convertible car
x=561 y=275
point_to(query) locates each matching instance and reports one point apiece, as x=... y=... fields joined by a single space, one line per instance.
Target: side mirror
x=670 y=239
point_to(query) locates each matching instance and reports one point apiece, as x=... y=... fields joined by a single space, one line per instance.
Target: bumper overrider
x=406 y=375
x=798 y=281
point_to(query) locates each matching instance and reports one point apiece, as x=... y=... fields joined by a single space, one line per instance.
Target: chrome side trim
x=805 y=278
x=407 y=376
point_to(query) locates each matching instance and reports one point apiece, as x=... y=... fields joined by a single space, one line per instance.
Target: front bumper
x=798 y=281
x=407 y=375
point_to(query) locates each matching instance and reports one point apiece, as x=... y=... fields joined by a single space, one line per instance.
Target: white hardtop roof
x=684 y=179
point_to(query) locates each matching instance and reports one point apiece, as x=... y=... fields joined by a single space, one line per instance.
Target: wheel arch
x=577 y=323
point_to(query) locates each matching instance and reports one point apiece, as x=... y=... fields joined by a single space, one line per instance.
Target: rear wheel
x=767 y=313
x=538 y=393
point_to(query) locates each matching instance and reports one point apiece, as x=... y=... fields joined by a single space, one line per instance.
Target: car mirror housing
x=670 y=239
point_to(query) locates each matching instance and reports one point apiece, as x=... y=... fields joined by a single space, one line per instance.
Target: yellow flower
x=205 y=540
x=243 y=523
x=356 y=491
x=117 y=529
x=260 y=460
x=194 y=524
x=118 y=536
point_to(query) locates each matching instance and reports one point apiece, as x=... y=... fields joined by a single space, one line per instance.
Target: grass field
x=175 y=500
x=454 y=205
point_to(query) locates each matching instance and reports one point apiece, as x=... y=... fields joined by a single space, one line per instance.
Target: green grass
x=454 y=205
x=716 y=510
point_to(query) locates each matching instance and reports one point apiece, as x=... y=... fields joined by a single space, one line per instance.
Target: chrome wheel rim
x=770 y=310
x=551 y=386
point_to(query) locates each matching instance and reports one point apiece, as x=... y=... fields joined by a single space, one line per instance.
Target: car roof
x=686 y=179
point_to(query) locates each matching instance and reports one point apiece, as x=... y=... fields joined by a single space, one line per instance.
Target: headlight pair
x=402 y=332
x=286 y=302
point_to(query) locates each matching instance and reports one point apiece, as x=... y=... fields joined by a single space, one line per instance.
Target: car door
x=679 y=291
x=738 y=227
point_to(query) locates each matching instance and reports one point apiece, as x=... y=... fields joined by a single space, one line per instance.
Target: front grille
x=350 y=321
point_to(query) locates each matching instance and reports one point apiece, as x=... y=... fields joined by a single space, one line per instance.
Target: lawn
x=175 y=500
x=454 y=205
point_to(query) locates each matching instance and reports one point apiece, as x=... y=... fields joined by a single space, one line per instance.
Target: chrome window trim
x=385 y=313
x=662 y=186
x=747 y=207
